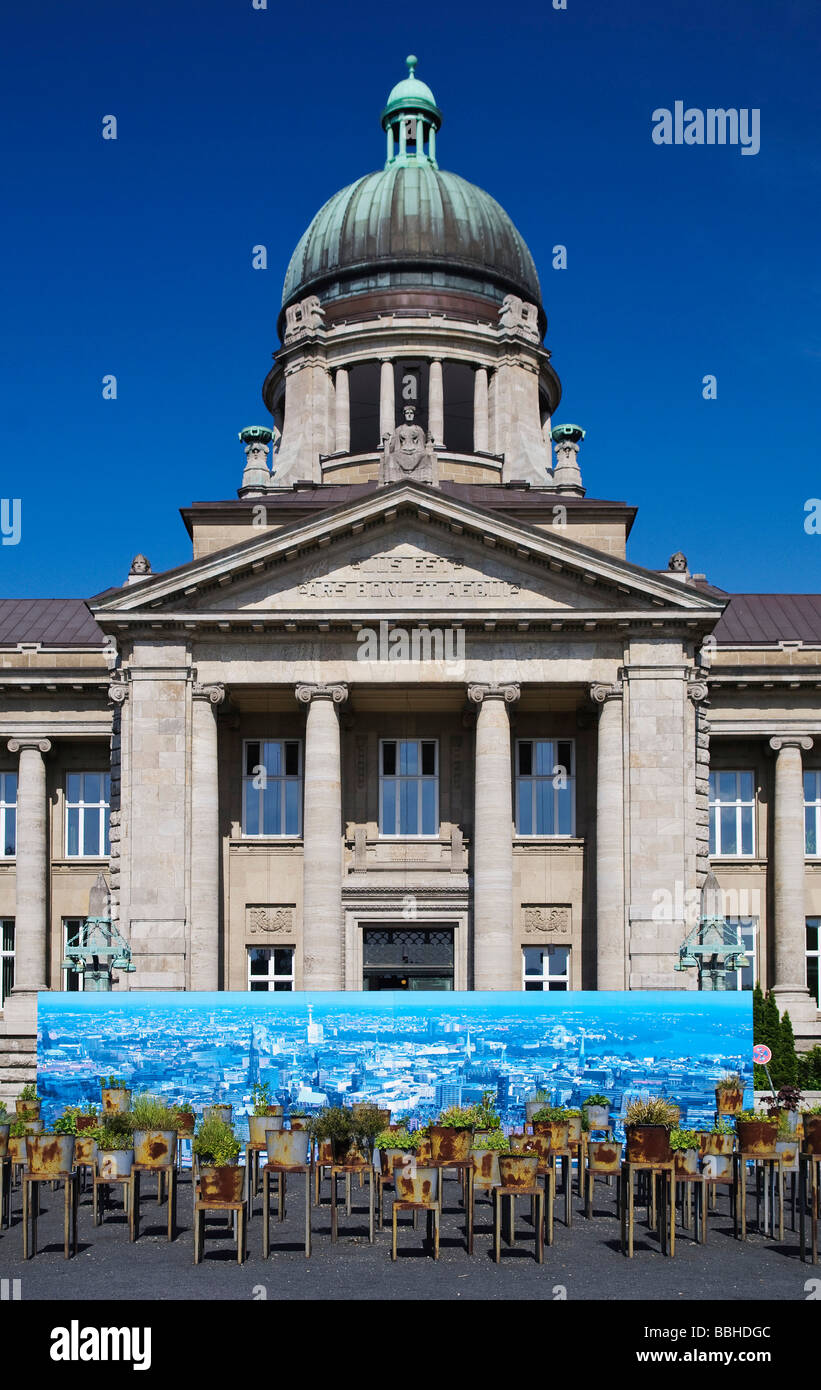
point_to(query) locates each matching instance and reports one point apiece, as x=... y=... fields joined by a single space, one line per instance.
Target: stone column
x=342 y=409
x=387 y=400
x=611 y=946
x=204 y=943
x=436 y=402
x=322 y=937
x=789 y=854
x=492 y=838
x=31 y=965
x=481 y=433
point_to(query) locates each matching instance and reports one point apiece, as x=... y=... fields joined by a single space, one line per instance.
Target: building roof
x=54 y=622
x=770 y=618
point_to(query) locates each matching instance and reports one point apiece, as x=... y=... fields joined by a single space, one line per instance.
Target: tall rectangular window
x=732 y=813
x=270 y=968
x=813 y=956
x=409 y=787
x=8 y=814
x=73 y=980
x=272 y=787
x=545 y=787
x=812 y=814
x=546 y=967
x=746 y=976
x=6 y=958
x=87 y=810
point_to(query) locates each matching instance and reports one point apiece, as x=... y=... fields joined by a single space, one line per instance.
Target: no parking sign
x=762 y=1054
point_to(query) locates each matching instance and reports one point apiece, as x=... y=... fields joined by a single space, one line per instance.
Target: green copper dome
x=411 y=225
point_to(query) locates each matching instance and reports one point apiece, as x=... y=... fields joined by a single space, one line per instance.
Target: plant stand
x=349 y=1169
x=280 y=1172
x=768 y=1182
x=252 y=1153
x=509 y=1194
x=691 y=1192
x=433 y=1220
x=5 y=1192
x=31 y=1208
x=206 y=1204
x=809 y=1182
x=168 y=1170
x=661 y=1177
x=567 y=1184
x=464 y=1173
x=99 y=1207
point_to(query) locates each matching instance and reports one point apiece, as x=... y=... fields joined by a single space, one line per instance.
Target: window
x=8 y=813
x=732 y=810
x=409 y=787
x=458 y=389
x=272 y=787
x=363 y=386
x=6 y=958
x=271 y=968
x=73 y=980
x=87 y=799
x=812 y=813
x=813 y=956
x=546 y=967
x=407 y=958
x=747 y=928
x=545 y=787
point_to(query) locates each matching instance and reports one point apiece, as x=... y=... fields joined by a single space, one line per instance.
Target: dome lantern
x=411 y=119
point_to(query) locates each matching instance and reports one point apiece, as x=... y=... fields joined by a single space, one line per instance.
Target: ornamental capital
x=118 y=689
x=306 y=693
x=697 y=691
x=601 y=693
x=214 y=694
x=790 y=741
x=478 y=693
x=26 y=741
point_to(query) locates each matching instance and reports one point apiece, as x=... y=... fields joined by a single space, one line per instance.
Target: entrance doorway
x=407 y=958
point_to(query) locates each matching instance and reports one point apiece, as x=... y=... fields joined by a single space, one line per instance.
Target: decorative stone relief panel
x=275 y=917
x=544 y=919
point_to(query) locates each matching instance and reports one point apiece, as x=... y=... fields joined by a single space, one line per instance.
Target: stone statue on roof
x=407 y=454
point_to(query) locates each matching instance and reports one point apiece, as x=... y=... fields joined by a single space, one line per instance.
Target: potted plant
x=596 y=1113
x=537 y=1101
x=518 y=1171
x=484 y=1156
x=19 y=1131
x=87 y=1117
x=785 y=1109
x=115 y=1146
x=299 y=1119
x=604 y=1155
x=28 y=1104
x=719 y=1141
x=554 y=1122
x=486 y=1118
x=217 y=1150
x=155 y=1131
x=369 y=1121
x=289 y=1148
x=452 y=1134
x=334 y=1125
x=185 y=1117
x=263 y=1101
x=757 y=1133
x=730 y=1094
x=396 y=1147
x=647 y=1129
x=219 y=1111
x=116 y=1096
x=812 y=1129
x=50 y=1154
x=684 y=1144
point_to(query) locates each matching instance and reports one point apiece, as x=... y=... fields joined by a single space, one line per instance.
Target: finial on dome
x=411 y=119
x=411 y=61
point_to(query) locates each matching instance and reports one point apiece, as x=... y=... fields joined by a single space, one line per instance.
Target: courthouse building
x=408 y=716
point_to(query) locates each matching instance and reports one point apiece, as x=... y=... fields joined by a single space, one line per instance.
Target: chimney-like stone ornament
x=566 y=473
x=256 y=478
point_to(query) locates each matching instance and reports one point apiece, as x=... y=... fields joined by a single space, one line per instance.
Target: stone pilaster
x=31 y=908
x=342 y=411
x=436 y=402
x=387 y=399
x=481 y=433
x=322 y=935
x=204 y=964
x=492 y=838
x=610 y=917
x=788 y=888
x=117 y=694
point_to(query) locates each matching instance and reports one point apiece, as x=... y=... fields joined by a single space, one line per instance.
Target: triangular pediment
x=406 y=550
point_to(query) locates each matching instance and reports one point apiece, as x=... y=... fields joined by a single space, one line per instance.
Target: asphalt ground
x=584 y=1263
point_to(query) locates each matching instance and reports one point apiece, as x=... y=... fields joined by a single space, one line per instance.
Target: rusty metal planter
x=648 y=1144
x=50 y=1155
x=85 y=1151
x=114 y=1163
x=259 y=1126
x=219 y=1112
x=598 y=1117
x=450 y=1145
x=391 y=1159
x=518 y=1171
x=299 y=1122
x=417 y=1185
x=532 y=1107
x=485 y=1164
x=17 y=1149
x=155 y=1148
x=574 y=1129
x=4 y=1140
x=716 y=1145
x=288 y=1147
x=424 y=1150
x=28 y=1109
x=221 y=1184
x=557 y=1132
x=729 y=1102
x=347 y=1154
x=186 y=1120
x=812 y=1134
x=87 y=1121
x=787 y=1149
x=116 y=1100
x=717 y=1167
x=756 y=1138
x=604 y=1155
x=686 y=1163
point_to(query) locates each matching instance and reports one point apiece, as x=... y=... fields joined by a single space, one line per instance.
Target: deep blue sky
x=133 y=256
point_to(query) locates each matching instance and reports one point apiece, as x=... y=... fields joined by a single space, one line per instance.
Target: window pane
x=408 y=757
x=292 y=808
x=713 y=820
x=809 y=786
x=543 y=758
x=565 y=757
x=273 y=759
x=525 y=826
x=389 y=759
x=259 y=957
x=271 y=808
x=713 y=786
x=525 y=759
x=388 y=826
x=292 y=759
x=73 y=845
x=251 y=758
x=251 y=809
x=533 y=960
x=428 y=759
x=74 y=786
x=747 y=788
x=259 y=986
x=10 y=788
x=429 y=826
x=106 y=819
x=812 y=976
x=8 y=934
x=92 y=787
x=408 y=808
x=91 y=832
x=565 y=800
x=283 y=985
x=558 y=985
x=747 y=830
x=533 y=984
x=728 y=836
x=544 y=807
x=10 y=835
x=558 y=957
x=810 y=841
x=727 y=786
x=283 y=960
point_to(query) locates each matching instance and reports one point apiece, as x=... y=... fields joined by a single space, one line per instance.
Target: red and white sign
x=762 y=1054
